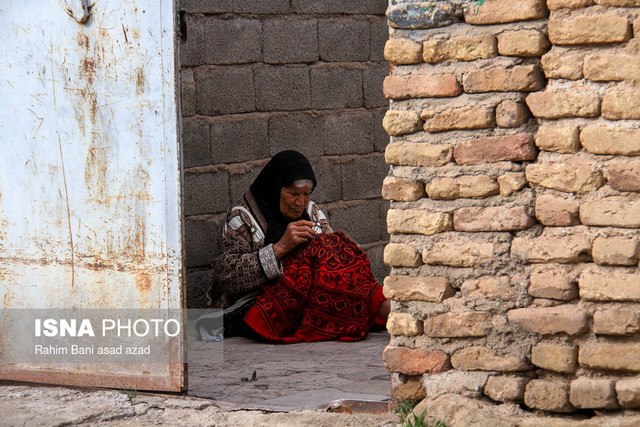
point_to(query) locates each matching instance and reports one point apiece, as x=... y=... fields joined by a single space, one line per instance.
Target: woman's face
x=294 y=200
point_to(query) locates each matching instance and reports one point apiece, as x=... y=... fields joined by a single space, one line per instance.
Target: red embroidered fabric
x=327 y=292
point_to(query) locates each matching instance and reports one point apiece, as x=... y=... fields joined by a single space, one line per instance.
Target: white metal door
x=90 y=206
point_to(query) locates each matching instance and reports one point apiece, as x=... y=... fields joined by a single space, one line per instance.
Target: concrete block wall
x=515 y=205
x=261 y=76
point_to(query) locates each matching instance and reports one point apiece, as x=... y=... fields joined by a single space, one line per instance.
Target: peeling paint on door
x=90 y=211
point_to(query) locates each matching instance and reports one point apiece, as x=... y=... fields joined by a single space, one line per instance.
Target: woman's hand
x=296 y=233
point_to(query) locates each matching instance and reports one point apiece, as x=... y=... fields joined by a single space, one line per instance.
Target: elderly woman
x=282 y=272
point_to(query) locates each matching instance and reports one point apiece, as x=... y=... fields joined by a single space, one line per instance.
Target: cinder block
x=378 y=36
x=380 y=137
x=376 y=258
x=239 y=183
x=348 y=132
x=224 y=90
x=239 y=138
x=200 y=237
x=358 y=222
x=207 y=6
x=344 y=40
x=195 y=143
x=384 y=206
x=206 y=193
x=188 y=99
x=336 y=87
x=261 y=6
x=191 y=52
x=317 y=6
x=373 y=7
x=329 y=187
x=290 y=41
x=296 y=131
x=282 y=89
x=372 y=79
x=362 y=178
x=231 y=41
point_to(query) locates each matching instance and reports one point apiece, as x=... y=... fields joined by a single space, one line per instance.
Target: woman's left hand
x=297 y=232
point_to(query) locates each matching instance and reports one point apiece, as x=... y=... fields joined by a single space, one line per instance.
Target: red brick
x=421 y=86
x=515 y=148
x=410 y=361
x=557 y=211
x=624 y=174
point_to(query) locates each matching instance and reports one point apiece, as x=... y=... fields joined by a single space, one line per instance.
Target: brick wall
x=515 y=136
x=263 y=76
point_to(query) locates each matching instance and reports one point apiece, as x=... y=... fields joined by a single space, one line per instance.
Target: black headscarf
x=282 y=170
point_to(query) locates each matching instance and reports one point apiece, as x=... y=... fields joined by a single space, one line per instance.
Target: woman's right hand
x=296 y=233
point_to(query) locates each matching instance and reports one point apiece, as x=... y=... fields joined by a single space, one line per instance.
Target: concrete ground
x=295 y=376
x=320 y=384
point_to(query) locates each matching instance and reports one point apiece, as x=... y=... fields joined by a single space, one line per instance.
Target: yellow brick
x=560 y=63
x=613 y=211
x=589 y=29
x=402 y=190
x=555 y=357
x=621 y=103
x=502 y=11
x=409 y=288
x=465 y=186
x=403 y=51
x=401 y=255
x=416 y=154
x=572 y=177
x=401 y=122
x=459 y=118
x=559 y=103
x=611 y=67
x=522 y=43
x=414 y=221
x=403 y=324
x=558 y=139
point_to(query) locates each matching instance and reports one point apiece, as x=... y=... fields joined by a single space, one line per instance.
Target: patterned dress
x=243 y=264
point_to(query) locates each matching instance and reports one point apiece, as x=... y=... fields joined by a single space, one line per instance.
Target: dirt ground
x=23 y=405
